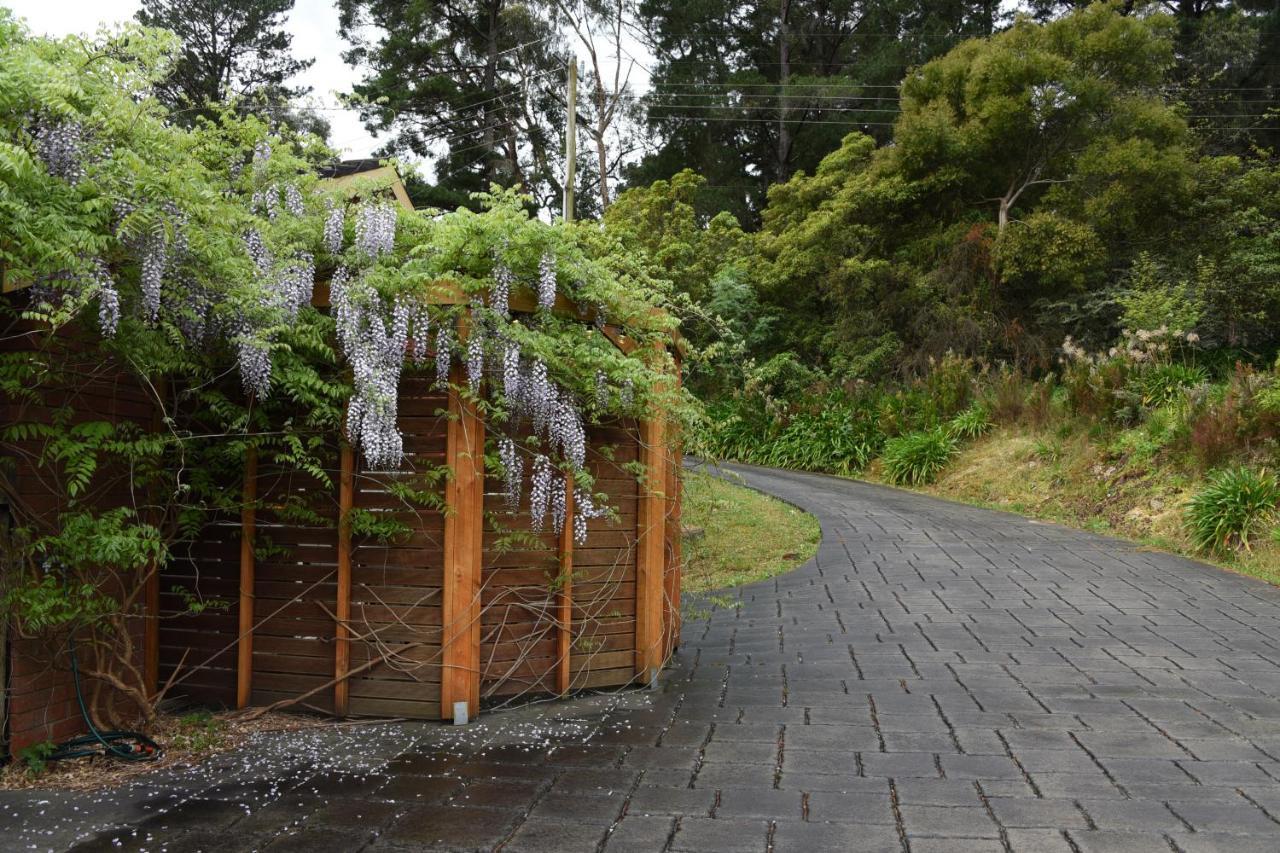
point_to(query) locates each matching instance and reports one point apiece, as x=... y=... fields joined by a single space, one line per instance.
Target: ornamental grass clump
x=969 y=424
x=917 y=458
x=1235 y=505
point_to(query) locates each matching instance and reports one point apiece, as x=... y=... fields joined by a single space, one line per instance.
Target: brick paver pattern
x=939 y=678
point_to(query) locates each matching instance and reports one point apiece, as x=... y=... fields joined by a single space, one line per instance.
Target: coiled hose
x=129 y=746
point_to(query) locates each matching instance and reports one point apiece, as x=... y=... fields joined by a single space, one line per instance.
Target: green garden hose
x=129 y=746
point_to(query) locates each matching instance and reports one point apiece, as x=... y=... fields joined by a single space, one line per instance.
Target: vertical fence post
x=342 y=634
x=675 y=529
x=564 y=596
x=463 y=551
x=673 y=553
x=651 y=548
x=151 y=595
x=244 y=646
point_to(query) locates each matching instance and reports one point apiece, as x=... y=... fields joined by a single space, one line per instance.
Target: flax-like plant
x=918 y=457
x=1232 y=508
x=970 y=423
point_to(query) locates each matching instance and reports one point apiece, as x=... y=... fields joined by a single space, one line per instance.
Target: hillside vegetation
x=1056 y=266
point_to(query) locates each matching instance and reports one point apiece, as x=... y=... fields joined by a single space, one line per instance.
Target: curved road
x=939 y=678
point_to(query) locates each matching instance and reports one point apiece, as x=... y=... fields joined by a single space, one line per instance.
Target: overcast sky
x=313 y=23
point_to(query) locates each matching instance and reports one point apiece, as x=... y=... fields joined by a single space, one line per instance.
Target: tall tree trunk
x=602 y=153
x=784 y=79
x=489 y=84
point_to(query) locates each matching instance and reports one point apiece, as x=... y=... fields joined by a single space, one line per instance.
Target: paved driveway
x=939 y=678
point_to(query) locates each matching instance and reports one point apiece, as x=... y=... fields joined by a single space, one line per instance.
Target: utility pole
x=571 y=139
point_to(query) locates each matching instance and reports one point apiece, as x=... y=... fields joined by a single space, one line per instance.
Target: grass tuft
x=917 y=458
x=1234 y=505
x=969 y=424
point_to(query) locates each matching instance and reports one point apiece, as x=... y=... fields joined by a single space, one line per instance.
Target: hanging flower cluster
x=475 y=348
x=261 y=156
x=602 y=390
x=584 y=509
x=376 y=229
x=513 y=471
x=297 y=283
x=333 y=223
x=154 y=257
x=293 y=200
x=108 y=299
x=500 y=295
x=60 y=146
x=547 y=282
x=253 y=355
x=558 y=503
x=511 y=374
x=420 y=322
x=444 y=354
x=539 y=492
x=266 y=201
x=374 y=346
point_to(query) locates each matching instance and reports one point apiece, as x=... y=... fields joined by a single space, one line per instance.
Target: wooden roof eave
x=387 y=174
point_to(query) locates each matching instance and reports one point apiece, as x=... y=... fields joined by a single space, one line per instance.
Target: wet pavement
x=939 y=678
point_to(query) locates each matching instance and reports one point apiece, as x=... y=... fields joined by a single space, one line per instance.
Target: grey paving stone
x=553 y=835
x=576 y=808
x=640 y=834
x=937 y=792
x=648 y=799
x=796 y=837
x=1031 y=813
x=956 y=845
x=705 y=835
x=311 y=840
x=948 y=822
x=946 y=654
x=756 y=802
x=1108 y=841
x=1133 y=815
x=1241 y=819
x=835 y=807
x=900 y=764
x=1213 y=842
x=1038 y=841
x=462 y=827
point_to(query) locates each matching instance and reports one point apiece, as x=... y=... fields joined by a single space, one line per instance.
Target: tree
x=468 y=83
x=1025 y=168
x=610 y=112
x=231 y=49
x=1226 y=72
x=746 y=94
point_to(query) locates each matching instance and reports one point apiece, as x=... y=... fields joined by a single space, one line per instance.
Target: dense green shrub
x=838 y=436
x=918 y=457
x=1232 y=420
x=1235 y=504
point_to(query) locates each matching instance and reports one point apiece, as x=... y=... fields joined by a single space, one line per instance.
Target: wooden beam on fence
x=342 y=634
x=564 y=596
x=463 y=551
x=651 y=539
x=244 y=646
